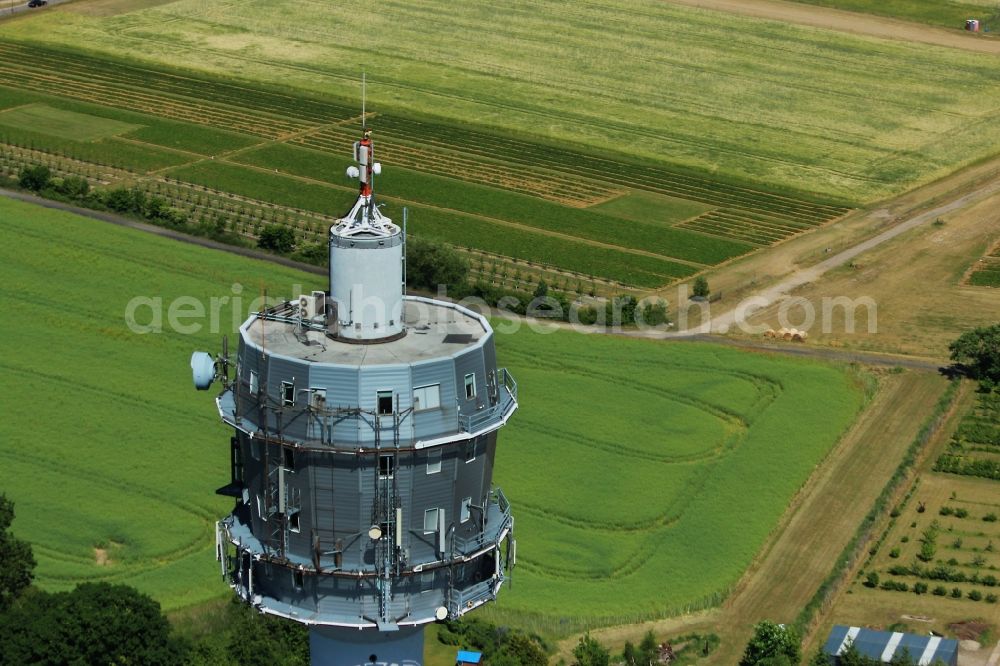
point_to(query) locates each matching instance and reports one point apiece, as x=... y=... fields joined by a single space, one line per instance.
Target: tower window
x=470 y=386
x=430 y=521
x=426 y=397
x=386 y=466
x=470 y=450
x=385 y=403
x=298 y=579
x=293 y=522
x=254 y=383
x=466 y=509
x=287 y=394
x=288 y=458
x=434 y=461
x=237 y=460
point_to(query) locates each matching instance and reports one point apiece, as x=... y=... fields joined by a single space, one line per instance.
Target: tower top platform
x=436 y=329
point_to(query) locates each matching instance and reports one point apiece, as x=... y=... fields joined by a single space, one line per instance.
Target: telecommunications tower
x=364 y=431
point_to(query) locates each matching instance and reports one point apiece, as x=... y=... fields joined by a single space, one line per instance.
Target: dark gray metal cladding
x=330 y=453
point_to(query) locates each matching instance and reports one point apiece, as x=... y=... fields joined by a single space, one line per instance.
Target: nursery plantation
x=114 y=460
x=939 y=555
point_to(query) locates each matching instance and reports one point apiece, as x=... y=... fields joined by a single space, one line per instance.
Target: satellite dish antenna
x=353 y=172
x=202 y=370
x=375 y=532
x=441 y=613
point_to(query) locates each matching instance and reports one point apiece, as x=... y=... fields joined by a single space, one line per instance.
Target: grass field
x=986 y=272
x=910 y=321
x=118 y=453
x=64 y=124
x=136 y=453
x=747 y=100
x=688 y=221
x=619 y=523
x=948 y=14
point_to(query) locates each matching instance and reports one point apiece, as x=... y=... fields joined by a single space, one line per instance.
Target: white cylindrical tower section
x=366 y=283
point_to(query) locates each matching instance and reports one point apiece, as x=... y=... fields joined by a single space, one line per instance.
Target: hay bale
x=769 y=333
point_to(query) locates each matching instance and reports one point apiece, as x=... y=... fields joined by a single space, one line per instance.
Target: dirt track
x=859 y=24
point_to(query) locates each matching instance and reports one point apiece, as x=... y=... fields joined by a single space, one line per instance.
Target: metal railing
x=506 y=401
x=497 y=520
x=464 y=600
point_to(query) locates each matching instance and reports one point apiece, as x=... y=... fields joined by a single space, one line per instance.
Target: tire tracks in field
x=840 y=20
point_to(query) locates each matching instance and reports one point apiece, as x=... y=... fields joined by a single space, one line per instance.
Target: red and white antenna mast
x=364 y=216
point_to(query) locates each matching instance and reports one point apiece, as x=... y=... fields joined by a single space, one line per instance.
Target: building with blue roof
x=884 y=645
x=468 y=658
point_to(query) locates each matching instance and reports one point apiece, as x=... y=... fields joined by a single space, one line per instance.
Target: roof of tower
x=437 y=329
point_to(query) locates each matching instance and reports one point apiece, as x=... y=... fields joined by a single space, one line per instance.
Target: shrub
x=940 y=591
x=975 y=595
x=894 y=553
x=871 y=580
x=961 y=513
x=945 y=511
x=431 y=264
x=990 y=517
x=956 y=593
x=35 y=178
x=905 y=539
x=276 y=238
x=920 y=587
x=700 y=288
x=991 y=598
x=74 y=187
x=957 y=544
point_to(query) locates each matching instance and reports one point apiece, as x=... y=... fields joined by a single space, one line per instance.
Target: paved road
x=859 y=24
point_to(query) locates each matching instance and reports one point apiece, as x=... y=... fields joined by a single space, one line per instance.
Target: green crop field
x=644 y=476
x=746 y=100
x=658 y=503
x=641 y=225
x=64 y=124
